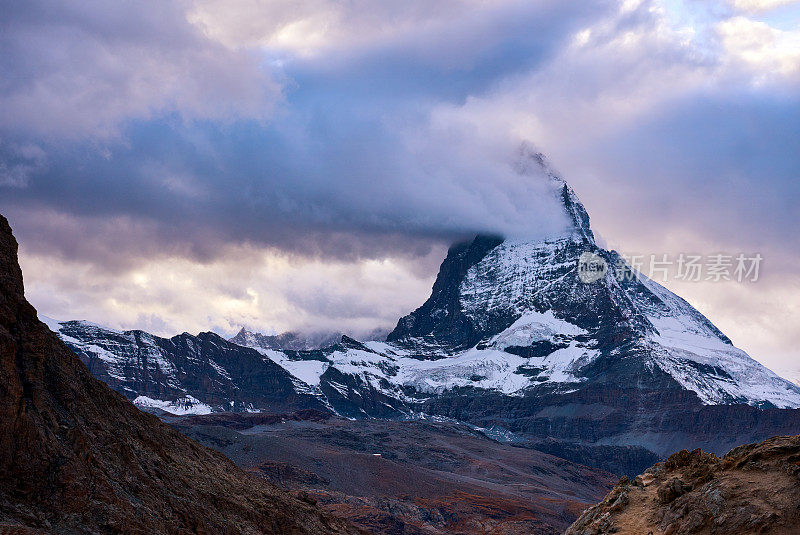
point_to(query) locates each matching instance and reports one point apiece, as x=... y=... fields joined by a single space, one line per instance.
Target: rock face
x=517 y=341
x=752 y=489
x=441 y=320
x=76 y=457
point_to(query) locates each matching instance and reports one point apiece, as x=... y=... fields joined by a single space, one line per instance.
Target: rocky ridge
x=185 y=373
x=752 y=489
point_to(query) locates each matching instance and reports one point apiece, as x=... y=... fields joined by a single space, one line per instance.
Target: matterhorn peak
x=532 y=163
x=528 y=298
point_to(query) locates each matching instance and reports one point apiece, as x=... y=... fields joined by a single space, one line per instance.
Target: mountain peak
x=445 y=320
x=440 y=318
x=577 y=214
x=287 y=340
x=532 y=163
x=527 y=298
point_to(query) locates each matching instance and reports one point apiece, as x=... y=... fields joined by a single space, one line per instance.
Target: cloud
x=651 y=120
x=260 y=289
x=757 y=6
x=308 y=26
x=351 y=165
x=317 y=28
x=75 y=69
x=18 y=162
x=362 y=192
x=766 y=50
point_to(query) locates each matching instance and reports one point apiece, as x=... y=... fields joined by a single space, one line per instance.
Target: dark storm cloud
x=344 y=192
x=448 y=61
x=349 y=166
x=75 y=69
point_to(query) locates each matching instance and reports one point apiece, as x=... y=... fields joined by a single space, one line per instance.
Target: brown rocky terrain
x=753 y=489
x=76 y=457
x=405 y=477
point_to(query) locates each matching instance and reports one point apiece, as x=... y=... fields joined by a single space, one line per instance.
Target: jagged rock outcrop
x=76 y=457
x=441 y=320
x=753 y=489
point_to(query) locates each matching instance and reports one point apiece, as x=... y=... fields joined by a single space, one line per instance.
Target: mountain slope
x=409 y=478
x=753 y=489
x=76 y=457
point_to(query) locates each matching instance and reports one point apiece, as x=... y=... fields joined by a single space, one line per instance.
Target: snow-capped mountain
x=526 y=299
x=184 y=374
x=288 y=340
x=513 y=340
x=515 y=317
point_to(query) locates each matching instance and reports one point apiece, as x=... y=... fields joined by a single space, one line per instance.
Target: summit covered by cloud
x=194 y=165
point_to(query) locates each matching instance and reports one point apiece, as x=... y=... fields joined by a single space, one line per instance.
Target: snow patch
x=694 y=353
x=534 y=326
x=307 y=371
x=182 y=406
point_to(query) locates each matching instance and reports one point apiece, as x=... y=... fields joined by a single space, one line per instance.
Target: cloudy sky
x=189 y=165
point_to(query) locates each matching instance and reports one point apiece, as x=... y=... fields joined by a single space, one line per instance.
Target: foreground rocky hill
x=753 y=489
x=76 y=457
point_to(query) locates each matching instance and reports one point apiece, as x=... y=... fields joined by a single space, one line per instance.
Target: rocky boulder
x=753 y=489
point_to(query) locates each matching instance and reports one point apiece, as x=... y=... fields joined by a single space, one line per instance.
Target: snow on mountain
x=306 y=371
x=718 y=372
x=185 y=374
x=181 y=406
x=688 y=347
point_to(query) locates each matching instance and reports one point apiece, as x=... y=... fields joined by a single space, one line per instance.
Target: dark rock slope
x=753 y=489
x=441 y=319
x=76 y=457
